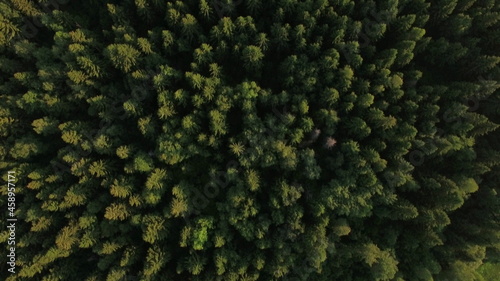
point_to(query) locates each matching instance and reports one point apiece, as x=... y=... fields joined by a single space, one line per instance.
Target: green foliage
x=117 y=211
x=200 y=234
x=251 y=140
x=143 y=163
x=489 y=271
x=122 y=56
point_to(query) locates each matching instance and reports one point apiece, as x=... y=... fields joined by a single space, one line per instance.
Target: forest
x=250 y=140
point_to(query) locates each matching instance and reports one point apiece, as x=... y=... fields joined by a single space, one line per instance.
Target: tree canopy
x=251 y=140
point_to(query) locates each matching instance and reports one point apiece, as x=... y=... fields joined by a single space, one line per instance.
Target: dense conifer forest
x=250 y=140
